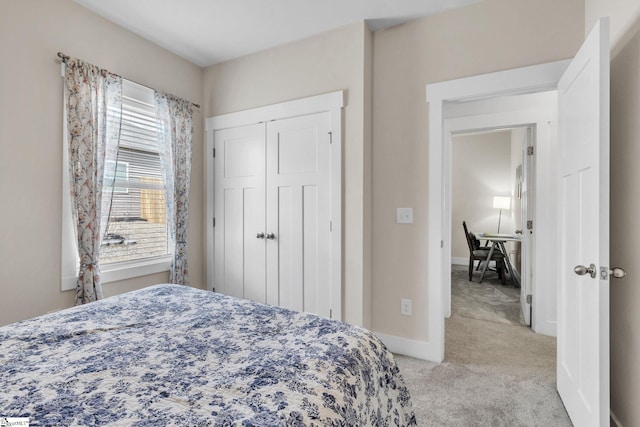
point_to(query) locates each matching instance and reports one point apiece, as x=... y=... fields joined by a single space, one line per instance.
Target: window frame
x=70 y=261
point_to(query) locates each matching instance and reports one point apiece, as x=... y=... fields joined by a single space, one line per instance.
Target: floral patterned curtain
x=91 y=96
x=175 y=116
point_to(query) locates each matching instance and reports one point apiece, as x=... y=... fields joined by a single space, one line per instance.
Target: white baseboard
x=546 y=328
x=459 y=261
x=615 y=419
x=408 y=347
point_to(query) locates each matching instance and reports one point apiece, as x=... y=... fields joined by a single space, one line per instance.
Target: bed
x=175 y=355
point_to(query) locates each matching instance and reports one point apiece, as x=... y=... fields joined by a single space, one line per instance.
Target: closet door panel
x=240 y=212
x=298 y=213
x=310 y=231
x=288 y=249
x=254 y=270
x=232 y=267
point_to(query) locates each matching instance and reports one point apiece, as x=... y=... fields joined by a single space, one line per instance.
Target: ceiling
x=206 y=32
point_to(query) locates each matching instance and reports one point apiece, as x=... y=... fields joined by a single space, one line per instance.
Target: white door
x=583 y=204
x=240 y=212
x=298 y=213
x=527 y=245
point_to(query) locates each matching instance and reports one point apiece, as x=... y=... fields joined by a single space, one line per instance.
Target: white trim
x=408 y=347
x=124 y=270
x=536 y=78
x=335 y=107
x=68 y=283
x=298 y=107
x=129 y=270
x=209 y=185
x=69 y=260
x=459 y=261
x=333 y=103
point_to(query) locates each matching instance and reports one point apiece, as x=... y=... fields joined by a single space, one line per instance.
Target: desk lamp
x=501 y=202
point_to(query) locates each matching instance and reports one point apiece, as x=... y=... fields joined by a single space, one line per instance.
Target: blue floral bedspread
x=174 y=355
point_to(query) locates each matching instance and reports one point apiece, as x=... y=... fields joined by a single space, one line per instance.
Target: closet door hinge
x=530 y=150
x=330 y=137
x=214 y=222
x=214 y=153
x=529 y=299
x=330 y=226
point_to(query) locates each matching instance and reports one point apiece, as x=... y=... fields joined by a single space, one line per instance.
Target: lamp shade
x=502 y=202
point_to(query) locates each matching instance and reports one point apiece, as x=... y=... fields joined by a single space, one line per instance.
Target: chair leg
x=470 y=268
x=503 y=273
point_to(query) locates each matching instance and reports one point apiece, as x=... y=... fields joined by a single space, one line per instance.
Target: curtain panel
x=92 y=99
x=175 y=132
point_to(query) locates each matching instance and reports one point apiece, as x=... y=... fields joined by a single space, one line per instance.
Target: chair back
x=474 y=242
x=468 y=237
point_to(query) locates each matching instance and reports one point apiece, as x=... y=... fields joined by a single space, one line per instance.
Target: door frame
x=537 y=78
x=332 y=103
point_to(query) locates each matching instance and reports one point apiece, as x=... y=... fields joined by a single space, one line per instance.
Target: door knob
x=518 y=231
x=581 y=270
x=271 y=236
x=260 y=236
x=617 y=272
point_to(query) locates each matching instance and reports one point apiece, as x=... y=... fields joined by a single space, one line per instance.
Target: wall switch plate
x=404 y=215
x=405 y=307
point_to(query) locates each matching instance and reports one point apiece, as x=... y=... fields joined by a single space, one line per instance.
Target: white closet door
x=298 y=213
x=240 y=212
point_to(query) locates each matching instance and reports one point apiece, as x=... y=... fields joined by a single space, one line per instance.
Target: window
x=134 y=195
x=135 y=239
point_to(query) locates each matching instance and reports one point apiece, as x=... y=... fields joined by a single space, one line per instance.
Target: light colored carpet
x=489 y=300
x=496 y=372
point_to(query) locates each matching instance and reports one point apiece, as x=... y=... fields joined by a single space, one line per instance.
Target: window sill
x=124 y=270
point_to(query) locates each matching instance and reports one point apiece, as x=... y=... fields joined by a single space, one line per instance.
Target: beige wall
x=625 y=201
x=481 y=169
x=31 y=33
x=488 y=36
x=336 y=60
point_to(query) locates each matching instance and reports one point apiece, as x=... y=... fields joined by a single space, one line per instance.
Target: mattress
x=175 y=355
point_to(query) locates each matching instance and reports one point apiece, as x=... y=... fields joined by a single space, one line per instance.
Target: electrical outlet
x=404 y=215
x=405 y=307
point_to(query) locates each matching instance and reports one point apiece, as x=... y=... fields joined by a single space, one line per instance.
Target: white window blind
x=134 y=210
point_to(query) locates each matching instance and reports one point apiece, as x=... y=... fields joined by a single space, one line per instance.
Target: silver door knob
x=518 y=231
x=260 y=236
x=271 y=236
x=617 y=272
x=581 y=270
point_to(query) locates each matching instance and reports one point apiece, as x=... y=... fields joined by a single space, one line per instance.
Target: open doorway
x=492 y=192
x=491 y=195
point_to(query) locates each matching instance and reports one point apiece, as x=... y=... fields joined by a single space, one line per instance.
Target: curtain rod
x=65 y=58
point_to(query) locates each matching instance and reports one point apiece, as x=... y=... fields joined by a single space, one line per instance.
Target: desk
x=497 y=241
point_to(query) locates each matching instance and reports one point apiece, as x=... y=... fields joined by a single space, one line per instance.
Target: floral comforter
x=174 y=355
